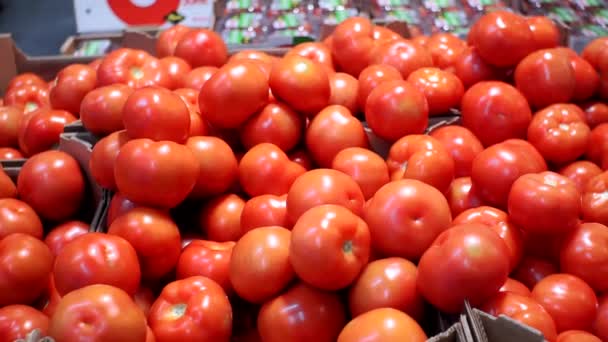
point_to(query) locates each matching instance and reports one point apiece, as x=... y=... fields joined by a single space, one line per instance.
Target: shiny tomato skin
x=103 y=156
x=577 y=336
x=158 y=174
x=168 y=39
x=18 y=217
x=135 y=68
x=462 y=196
x=405 y=55
x=531 y=270
x=197 y=77
x=17 y=321
x=425 y=214
x=389 y=282
x=351 y=44
x=97 y=258
x=119 y=205
x=467 y=261
x=26 y=78
x=218 y=166
x=71 y=85
x=176 y=69
x=65 y=233
x=593 y=202
x=600 y=325
x=382 y=325
x=191 y=309
x=594 y=50
x=596 y=113
x=515 y=286
x=587 y=79
x=365 y=167
x=344 y=91
x=208 y=259
x=9 y=126
x=545 y=33
x=7 y=187
x=462 y=145
x=116 y=317
x=155 y=238
x=329 y=247
x=42 y=130
x=470 y=68
x=220 y=218
x=495 y=111
x=315 y=51
x=26 y=264
x=52 y=183
x=371 y=77
x=442 y=89
x=28 y=98
x=9 y=153
x=101 y=109
x=568 y=299
x=277 y=124
x=445 y=48
x=253 y=54
x=302 y=313
x=202 y=47
x=583 y=254
x=598 y=144
x=263 y=211
x=580 y=172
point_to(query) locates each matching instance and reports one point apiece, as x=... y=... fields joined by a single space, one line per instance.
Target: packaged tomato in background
x=454 y=20
x=336 y=16
x=278 y=6
x=245 y=20
x=441 y=5
x=236 y=6
x=483 y=6
x=599 y=16
x=410 y=15
x=588 y=4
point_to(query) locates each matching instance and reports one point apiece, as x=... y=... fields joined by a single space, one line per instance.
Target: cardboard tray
x=487 y=328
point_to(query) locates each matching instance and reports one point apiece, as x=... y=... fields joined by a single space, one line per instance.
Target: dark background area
x=38 y=26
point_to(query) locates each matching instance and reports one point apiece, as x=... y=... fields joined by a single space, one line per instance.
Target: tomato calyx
x=137 y=72
x=30 y=107
x=347 y=246
x=177 y=311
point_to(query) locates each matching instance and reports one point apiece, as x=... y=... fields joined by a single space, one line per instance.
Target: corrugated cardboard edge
x=487 y=328
x=12 y=168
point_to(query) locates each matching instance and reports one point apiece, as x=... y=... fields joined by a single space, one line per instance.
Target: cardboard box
x=116 y=15
x=487 y=328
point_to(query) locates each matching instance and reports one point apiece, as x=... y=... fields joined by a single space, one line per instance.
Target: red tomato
x=197 y=77
x=568 y=299
x=472 y=69
x=531 y=270
x=18 y=217
x=421 y=40
x=596 y=113
x=266 y=169
x=424 y=214
x=42 y=130
x=522 y=309
x=383 y=324
x=158 y=174
x=405 y=55
x=445 y=48
x=323 y=186
x=598 y=144
x=365 y=167
x=545 y=33
x=593 y=203
x=176 y=69
x=220 y=218
x=135 y=68
x=71 y=85
x=586 y=79
x=25 y=265
x=580 y=172
x=191 y=309
x=302 y=314
x=600 y=325
x=28 y=98
x=26 y=78
x=103 y=156
x=218 y=166
x=144 y=297
x=395 y=109
x=577 y=336
x=351 y=44
x=263 y=211
x=346 y=131
x=97 y=258
x=467 y=261
x=9 y=126
x=462 y=145
x=277 y=124
x=155 y=238
x=95 y=64
x=302 y=158
x=168 y=39
x=502 y=38
x=315 y=51
x=594 y=50
x=17 y=321
x=442 y=89
x=260 y=267
x=386 y=283
x=371 y=77
x=9 y=153
x=515 y=286
x=65 y=233
x=253 y=54
x=546 y=77
x=52 y=184
x=461 y=196
x=233 y=94
x=344 y=91
x=115 y=315
x=381 y=33
x=495 y=111
x=190 y=96
x=208 y=259
x=7 y=187
x=496 y=168
x=202 y=47
x=101 y=109
x=119 y=205
x=584 y=255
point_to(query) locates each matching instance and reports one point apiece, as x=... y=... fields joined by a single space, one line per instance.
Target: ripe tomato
x=587 y=79
x=584 y=255
x=301 y=83
x=176 y=69
x=168 y=39
x=329 y=247
x=383 y=324
x=9 y=153
x=51 y=182
x=495 y=111
x=302 y=158
x=190 y=96
x=158 y=174
x=266 y=169
x=42 y=130
x=344 y=91
x=365 y=167
x=502 y=38
x=545 y=33
x=26 y=78
x=17 y=321
x=596 y=113
x=191 y=309
x=462 y=145
x=103 y=156
x=155 y=238
x=424 y=214
x=371 y=77
x=277 y=124
x=405 y=55
x=323 y=186
x=202 y=47
x=467 y=261
x=594 y=50
x=135 y=68
x=144 y=297
x=462 y=196
x=600 y=325
x=197 y=77
x=593 y=203
x=522 y=309
x=97 y=258
x=496 y=168
x=386 y=283
x=546 y=77
x=28 y=97
x=25 y=265
x=101 y=109
x=18 y=217
x=263 y=211
x=253 y=54
x=568 y=299
x=218 y=166
x=65 y=233
x=233 y=94
x=442 y=89
x=445 y=48
x=315 y=51
x=515 y=286
x=302 y=313
x=119 y=205
x=395 y=109
x=208 y=259
x=580 y=172
x=577 y=336
x=220 y=218
x=71 y=85
x=351 y=44
x=598 y=144
x=7 y=187
x=470 y=68
x=112 y=311
x=531 y=270
x=9 y=126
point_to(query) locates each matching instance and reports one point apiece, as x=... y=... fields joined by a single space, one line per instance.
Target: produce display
x=351 y=189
